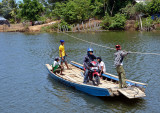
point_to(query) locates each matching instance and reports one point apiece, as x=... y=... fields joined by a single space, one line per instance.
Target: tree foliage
x=113 y=6
x=129 y=11
x=153 y=7
x=114 y=23
x=72 y=11
x=148 y=8
x=9 y=10
x=140 y=8
x=113 y=12
x=6 y=8
x=1 y=11
x=31 y=10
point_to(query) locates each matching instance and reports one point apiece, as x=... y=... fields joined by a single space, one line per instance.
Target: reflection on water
x=26 y=86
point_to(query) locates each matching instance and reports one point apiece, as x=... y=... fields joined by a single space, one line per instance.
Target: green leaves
x=118 y=22
x=153 y=7
x=31 y=10
x=114 y=23
x=148 y=8
x=72 y=11
x=129 y=10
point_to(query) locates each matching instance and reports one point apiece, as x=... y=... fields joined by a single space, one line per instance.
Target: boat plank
x=113 y=75
x=132 y=92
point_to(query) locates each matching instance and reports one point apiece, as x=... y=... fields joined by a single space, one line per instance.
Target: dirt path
x=37 y=28
x=22 y=28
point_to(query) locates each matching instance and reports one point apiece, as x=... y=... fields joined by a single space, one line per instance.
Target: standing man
x=63 y=54
x=87 y=63
x=119 y=56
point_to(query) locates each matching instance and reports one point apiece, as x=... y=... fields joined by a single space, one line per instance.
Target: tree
x=31 y=10
x=113 y=6
x=1 y=11
x=140 y=8
x=153 y=7
x=6 y=9
x=129 y=11
x=97 y=8
x=148 y=8
x=14 y=11
x=73 y=11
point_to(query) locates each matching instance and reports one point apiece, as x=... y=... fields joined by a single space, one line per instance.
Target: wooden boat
x=108 y=87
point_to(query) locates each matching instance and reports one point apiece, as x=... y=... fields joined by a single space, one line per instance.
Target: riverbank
x=25 y=27
x=92 y=25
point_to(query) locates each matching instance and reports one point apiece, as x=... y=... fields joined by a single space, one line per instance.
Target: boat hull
x=91 y=90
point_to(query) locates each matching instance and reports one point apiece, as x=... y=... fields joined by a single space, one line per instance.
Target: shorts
x=64 y=59
x=57 y=70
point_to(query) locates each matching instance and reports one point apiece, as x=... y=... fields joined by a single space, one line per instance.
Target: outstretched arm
x=124 y=53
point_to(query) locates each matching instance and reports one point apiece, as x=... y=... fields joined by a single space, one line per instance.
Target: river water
x=26 y=87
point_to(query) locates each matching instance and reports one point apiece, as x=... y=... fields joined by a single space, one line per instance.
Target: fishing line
x=107 y=46
x=89 y=42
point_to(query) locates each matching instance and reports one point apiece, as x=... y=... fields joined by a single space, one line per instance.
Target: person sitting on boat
x=63 y=54
x=56 y=67
x=118 y=62
x=101 y=66
x=87 y=63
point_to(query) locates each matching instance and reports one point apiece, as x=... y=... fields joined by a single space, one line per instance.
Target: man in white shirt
x=101 y=65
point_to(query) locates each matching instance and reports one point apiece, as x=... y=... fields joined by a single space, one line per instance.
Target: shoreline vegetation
x=80 y=15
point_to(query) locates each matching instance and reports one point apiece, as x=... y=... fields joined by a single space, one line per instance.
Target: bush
x=114 y=23
x=147 y=22
x=50 y=28
x=55 y=26
x=64 y=24
x=118 y=22
x=106 y=22
x=157 y=21
x=137 y=25
x=43 y=19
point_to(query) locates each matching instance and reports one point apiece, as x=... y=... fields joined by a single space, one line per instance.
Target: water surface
x=25 y=85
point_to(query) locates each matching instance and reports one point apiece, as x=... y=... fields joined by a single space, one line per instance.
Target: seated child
x=56 y=67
